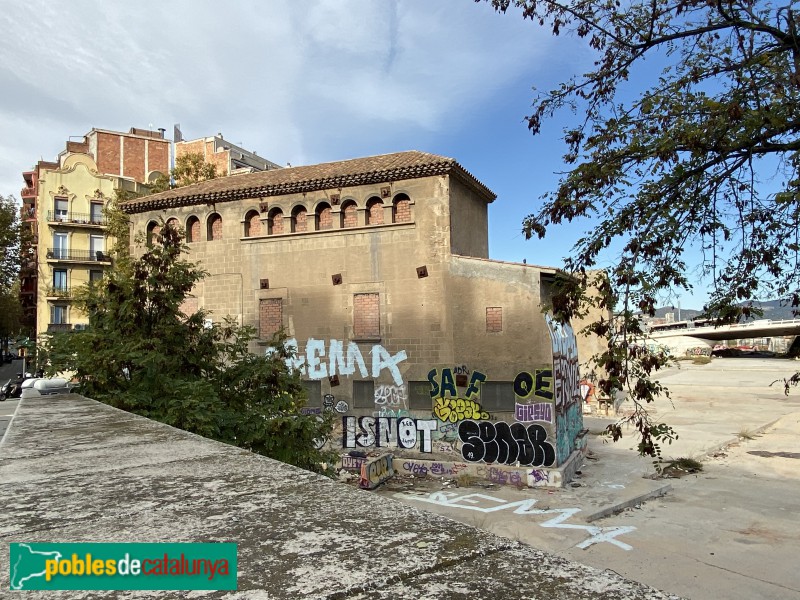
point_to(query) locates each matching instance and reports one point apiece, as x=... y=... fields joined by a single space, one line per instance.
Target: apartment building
x=63 y=204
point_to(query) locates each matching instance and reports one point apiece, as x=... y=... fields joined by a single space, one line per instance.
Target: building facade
x=228 y=158
x=378 y=271
x=63 y=205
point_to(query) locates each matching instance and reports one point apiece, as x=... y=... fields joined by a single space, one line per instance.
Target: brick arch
x=324 y=216
x=252 y=223
x=275 y=221
x=193 y=229
x=374 y=211
x=153 y=231
x=299 y=218
x=349 y=213
x=214 y=227
x=401 y=208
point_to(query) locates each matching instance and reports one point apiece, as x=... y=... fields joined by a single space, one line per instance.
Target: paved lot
x=732 y=531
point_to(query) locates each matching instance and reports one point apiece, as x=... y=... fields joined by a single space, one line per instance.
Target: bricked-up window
x=275 y=222
x=374 y=211
x=494 y=319
x=153 y=231
x=299 y=219
x=366 y=316
x=324 y=216
x=349 y=214
x=214 y=227
x=364 y=394
x=252 y=224
x=401 y=210
x=270 y=317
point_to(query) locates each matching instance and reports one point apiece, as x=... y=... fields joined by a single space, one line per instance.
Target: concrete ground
x=731 y=531
x=74 y=470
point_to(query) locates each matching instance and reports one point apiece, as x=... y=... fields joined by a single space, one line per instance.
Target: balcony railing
x=58 y=327
x=59 y=292
x=77 y=255
x=76 y=218
x=27 y=192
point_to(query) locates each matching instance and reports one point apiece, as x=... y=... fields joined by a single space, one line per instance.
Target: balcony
x=75 y=218
x=59 y=293
x=86 y=256
x=58 y=327
x=28 y=192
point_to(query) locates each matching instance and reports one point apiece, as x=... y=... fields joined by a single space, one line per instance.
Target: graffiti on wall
x=353 y=462
x=487 y=504
x=340 y=361
x=452 y=410
x=374 y=472
x=404 y=432
x=435 y=469
x=445 y=384
x=390 y=395
x=541 y=411
x=501 y=443
x=566 y=385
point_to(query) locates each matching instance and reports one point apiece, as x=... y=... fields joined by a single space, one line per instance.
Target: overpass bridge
x=682 y=335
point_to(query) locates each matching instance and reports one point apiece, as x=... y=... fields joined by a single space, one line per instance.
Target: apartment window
x=366 y=316
x=58 y=314
x=95 y=275
x=61 y=209
x=60 y=279
x=97 y=246
x=363 y=394
x=494 y=319
x=96 y=215
x=270 y=318
x=60 y=241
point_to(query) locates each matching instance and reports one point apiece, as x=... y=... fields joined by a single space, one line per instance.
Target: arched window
x=324 y=216
x=252 y=224
x=153 y=231
x=374 y=211
x=193 y=229
x=299 y=219
x=275 y=222
x=401 y=209
x=349 y=214
x=214 y=227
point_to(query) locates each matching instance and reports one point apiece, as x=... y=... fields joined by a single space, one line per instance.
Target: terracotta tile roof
x=324 y=176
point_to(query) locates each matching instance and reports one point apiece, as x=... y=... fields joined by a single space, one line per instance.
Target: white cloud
x=295 y=81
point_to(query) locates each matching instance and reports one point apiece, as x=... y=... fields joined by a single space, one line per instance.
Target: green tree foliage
x=189 y=168
x=140 y=353
x=704 y=159
x=9 y=241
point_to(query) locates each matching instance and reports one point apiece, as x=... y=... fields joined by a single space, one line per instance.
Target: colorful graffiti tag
x=566 y=383
x=453 y=410
x=375 y=472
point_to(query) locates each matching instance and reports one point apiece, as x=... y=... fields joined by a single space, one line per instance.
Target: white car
x=32 y=388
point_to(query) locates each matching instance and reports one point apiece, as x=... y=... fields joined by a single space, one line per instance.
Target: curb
x=617 y=506
x=704 y=454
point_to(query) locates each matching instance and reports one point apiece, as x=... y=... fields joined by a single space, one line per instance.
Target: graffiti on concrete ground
x=488 y=504
x=505 y=444
x=340 y=362
x=452 y=410
x=405 y=432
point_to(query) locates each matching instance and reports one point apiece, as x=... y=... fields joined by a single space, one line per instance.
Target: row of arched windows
x=275 y=223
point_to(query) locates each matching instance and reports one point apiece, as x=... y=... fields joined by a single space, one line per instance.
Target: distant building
x=378 y=270
x=63 y=202
x=229 y=158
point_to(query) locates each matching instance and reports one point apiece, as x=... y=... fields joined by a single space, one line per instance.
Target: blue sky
x=300 y=83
